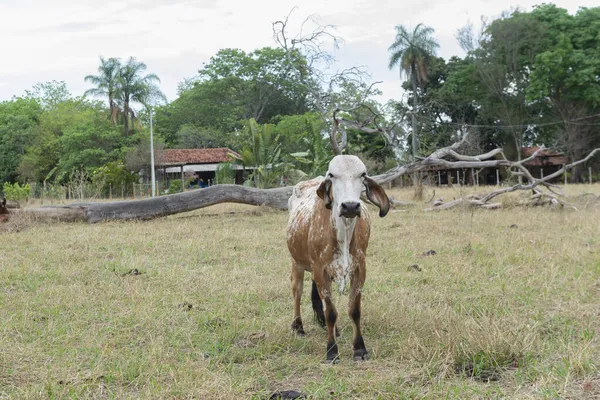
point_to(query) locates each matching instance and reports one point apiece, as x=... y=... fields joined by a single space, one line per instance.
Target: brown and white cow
x=3 y=211
x=328 y=234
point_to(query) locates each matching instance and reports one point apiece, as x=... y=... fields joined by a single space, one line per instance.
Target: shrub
x=175 y=186
x=16 y=192
x=225 y=173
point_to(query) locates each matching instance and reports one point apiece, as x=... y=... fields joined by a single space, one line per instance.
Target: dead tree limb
x=551 y=197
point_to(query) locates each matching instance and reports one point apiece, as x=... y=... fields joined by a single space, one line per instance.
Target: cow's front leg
x=357 y=282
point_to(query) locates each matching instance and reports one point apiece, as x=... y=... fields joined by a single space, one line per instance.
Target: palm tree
x=137 y=88
x=412 y=52
x=106 y=84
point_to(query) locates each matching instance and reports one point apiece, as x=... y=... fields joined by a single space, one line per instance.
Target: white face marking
x=347 y=180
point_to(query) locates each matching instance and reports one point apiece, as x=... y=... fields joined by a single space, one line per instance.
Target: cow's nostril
x=350 y=207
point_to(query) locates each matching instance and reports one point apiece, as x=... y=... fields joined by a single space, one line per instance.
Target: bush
x=16 y=192
x=175 y=186
x=225 y=173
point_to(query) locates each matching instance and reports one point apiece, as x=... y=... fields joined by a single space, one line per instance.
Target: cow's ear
x=377 y=196
x=324 y=192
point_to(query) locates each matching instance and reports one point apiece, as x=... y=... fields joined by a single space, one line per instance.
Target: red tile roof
x=544 y=157
x=194 y=156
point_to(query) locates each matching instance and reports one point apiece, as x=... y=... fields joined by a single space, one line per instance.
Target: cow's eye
x=364 y=175
x=330 y=175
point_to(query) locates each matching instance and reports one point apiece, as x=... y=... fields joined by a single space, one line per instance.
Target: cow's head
x=343 y=184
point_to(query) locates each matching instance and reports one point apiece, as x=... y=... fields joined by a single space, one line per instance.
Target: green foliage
x=232 y=88
x=107 y=84
x=193 y=137
x=49 y=94
x=525 y=72
x=113 y=175
x=19 y=127
x=225 y=174
x=134 y=87
x=293 y=129
x=263 y=156
x=413 y=52
x=124 y=84
x=15 y=191
x=316 y=154
x=175 y=186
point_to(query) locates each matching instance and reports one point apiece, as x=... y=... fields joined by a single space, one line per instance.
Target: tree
x=107 y=84
x=231 y=88
x=88 y=144
x=19 y=127
x=206 y=105
x=565 y=75
x=264 y=80
x=136 y=88
x=193 y=137
x=49 y=94
x=412 y=53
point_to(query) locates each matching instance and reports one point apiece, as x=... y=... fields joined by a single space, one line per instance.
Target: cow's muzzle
x=350 y=209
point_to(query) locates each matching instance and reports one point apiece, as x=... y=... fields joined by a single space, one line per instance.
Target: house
x=196 y=164
x=545 y=163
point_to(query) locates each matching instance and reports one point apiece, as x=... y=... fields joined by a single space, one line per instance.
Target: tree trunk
x=418 y=195
x=415 y=146
x=126 y=115
x=165 y=205
x=575 y=150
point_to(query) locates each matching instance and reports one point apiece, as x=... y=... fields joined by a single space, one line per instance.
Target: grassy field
x=199 y=305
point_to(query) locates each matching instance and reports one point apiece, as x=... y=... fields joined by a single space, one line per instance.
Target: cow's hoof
x=361 y=355
x=298 y=328
x=333 y=361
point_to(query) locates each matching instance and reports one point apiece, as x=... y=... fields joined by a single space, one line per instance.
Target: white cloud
x=62 y=39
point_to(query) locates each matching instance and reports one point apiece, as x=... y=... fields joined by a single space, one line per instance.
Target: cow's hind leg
x=297 y=287
x=330 y=319
x=358 y=279
x=317 y=305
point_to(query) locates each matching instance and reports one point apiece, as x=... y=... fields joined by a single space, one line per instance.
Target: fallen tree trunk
x=164 y=205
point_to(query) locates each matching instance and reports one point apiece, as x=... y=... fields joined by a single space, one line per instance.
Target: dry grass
x=199 y=306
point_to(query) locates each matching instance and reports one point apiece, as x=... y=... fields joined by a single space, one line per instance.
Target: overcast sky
x=43 y=40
